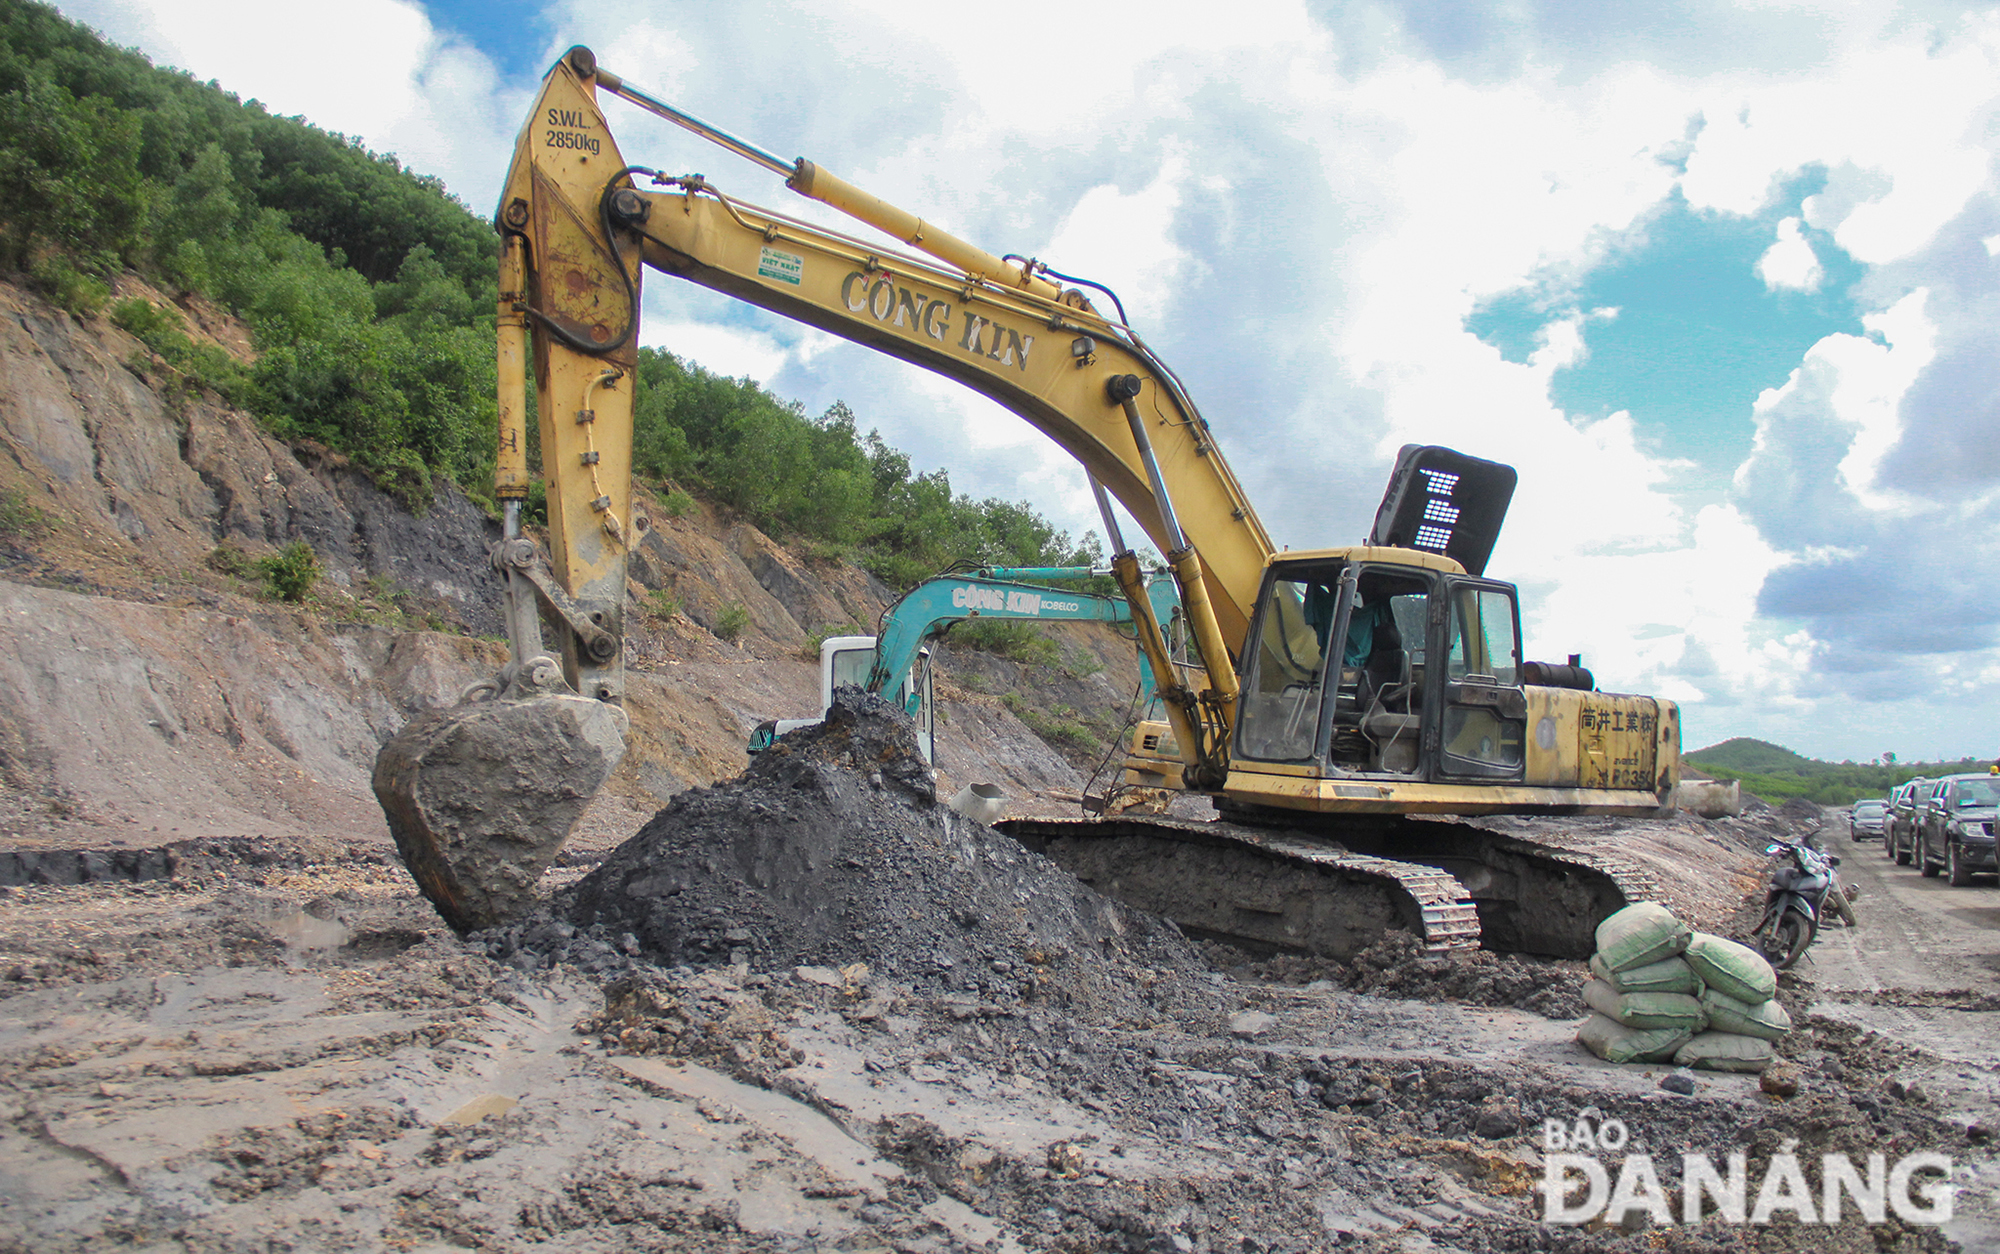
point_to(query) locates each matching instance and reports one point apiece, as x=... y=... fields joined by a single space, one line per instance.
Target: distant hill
x=1776 y=773
x=1745 y=754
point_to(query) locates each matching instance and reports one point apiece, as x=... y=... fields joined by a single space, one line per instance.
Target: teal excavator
x=895 y=662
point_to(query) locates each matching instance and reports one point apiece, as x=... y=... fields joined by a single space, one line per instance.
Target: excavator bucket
x=480 y=797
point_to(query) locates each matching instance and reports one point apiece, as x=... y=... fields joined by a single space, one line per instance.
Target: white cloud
x=729 y=351
x=1911 y=111
x=1790 y=262
x=1856 y=383
x=1126 y=240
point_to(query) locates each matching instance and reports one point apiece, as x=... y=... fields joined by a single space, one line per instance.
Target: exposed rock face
x=153 y=487
x=145 y=698
x=151 y=722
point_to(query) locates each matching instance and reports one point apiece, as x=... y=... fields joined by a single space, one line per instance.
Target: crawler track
x=1534 y=896
x=1333 y=889
x=1276 y=889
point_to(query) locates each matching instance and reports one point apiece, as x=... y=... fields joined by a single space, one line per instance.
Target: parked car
x=1899 y=830
x=1955 y=828
x=1866 y=817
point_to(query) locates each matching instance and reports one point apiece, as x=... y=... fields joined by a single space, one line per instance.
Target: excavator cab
x=1384 y=662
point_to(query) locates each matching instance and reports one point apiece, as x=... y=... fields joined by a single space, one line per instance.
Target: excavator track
x=1258 y=887
x=1536 y=894
x=1334 y=888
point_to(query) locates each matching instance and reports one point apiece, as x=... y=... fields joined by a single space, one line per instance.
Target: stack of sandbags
x=1645 y=1001
x=1739 y=991
x=1661 y=992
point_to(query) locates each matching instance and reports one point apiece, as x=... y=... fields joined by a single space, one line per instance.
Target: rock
x=1065 y=1160
x=83 y=866
x=1498 y=1117
x=1901 y=1090
x=1250 y=1024
x=1679 y=1080
x=815 y=868
x=1780 y=1079
x=475 y=838
x=1978 y=1133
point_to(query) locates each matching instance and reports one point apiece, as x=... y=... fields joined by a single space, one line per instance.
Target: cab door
x=1481 y=731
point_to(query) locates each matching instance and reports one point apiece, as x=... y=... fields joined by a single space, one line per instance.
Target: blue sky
x=513 y=34
x=1685 y=335
x=1722 y=280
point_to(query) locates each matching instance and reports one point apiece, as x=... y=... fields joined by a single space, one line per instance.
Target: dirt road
x=1923 y=969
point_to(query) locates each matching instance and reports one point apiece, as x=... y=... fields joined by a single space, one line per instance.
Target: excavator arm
x=582 y=220
x=887 y=663
x=1000 y=592
x=480 y=800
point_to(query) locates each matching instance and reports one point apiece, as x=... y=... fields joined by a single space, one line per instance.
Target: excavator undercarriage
x=1332 y=889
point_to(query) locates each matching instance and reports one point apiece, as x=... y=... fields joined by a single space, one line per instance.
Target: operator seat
x=1392 y=721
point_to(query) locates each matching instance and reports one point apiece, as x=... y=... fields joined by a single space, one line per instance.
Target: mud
x=284 y=1046
x=1397 y=966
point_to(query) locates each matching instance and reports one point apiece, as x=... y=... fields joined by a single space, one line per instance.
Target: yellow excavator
x=1342 y=694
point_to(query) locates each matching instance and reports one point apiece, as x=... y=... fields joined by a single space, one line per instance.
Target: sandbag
x=1645 y=1010
x=1671 y=976
x=1641 y=933
x=1766 y=1019
x=1737 y=970
x=1613 y=1042
x=1725 y=1051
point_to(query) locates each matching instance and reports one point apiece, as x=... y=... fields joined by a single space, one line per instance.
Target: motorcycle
x=1804 y=890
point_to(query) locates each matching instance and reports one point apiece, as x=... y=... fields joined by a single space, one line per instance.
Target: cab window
x=851 y=666
x=1482 y=637
x=1281 y=694
x=1483 y=736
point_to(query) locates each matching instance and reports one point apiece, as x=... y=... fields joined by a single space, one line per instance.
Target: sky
x=1722 y=280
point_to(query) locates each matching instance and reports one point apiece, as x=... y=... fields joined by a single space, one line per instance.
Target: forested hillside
x=1776 y=773
x=369 y=294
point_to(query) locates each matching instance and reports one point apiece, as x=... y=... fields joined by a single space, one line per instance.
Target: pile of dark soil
x=832 y=850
